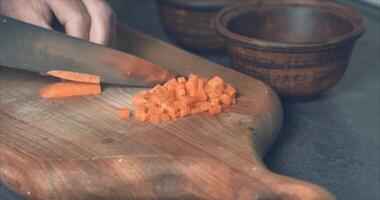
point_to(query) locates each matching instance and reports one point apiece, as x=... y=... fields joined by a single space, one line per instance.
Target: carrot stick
x=74 y=76
x=69 y=89
x=124 y=113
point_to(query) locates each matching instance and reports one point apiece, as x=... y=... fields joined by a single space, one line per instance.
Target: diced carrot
x=144 y=94
x=173 y=113
x=69 y=89
x=180 y=91
x=215 y=110
x=191 y=88
x=75 y=76
x=164 y=117
x=189 y=100
x=124 y=113
x=230 y=91
x=155 y=110
x=154 y=118
x=156 y=98
x=181 y=80
x=214 y=101
x=193 y=78
x=141 y=114
x=184 y=109
x=202 y=83
x=226 y=100
x=150 y=104
x=215 y=93
x=201 y=95
x=180 y=97
x=171 y=85
x=172 y=109
x=196 y=110
x=157 y=88
x=215 y=82
x=192 y=85
x=137 y=100
x=205 y=105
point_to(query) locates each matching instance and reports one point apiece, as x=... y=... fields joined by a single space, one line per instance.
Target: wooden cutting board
x=78 y=148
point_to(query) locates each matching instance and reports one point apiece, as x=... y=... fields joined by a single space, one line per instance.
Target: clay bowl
x=189 y=23
x=300 y=47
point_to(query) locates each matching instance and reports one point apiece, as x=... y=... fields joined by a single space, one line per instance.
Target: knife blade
x=28 y=47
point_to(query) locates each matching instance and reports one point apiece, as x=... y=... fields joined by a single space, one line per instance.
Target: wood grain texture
x=78 y=148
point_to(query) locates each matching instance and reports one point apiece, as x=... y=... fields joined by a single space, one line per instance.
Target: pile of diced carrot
x=180 y=97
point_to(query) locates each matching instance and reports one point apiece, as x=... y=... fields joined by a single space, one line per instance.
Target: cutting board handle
x=148 y=177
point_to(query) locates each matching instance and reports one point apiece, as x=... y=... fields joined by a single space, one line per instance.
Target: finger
x=73 y=15
x=30 y=11
x=103 y=21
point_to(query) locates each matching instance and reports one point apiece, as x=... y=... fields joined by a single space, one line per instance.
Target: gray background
x=333 y=141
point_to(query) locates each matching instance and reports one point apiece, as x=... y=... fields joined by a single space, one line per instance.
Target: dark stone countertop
x=333 y=141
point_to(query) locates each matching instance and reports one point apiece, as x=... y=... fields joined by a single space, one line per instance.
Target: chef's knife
x=28 y=47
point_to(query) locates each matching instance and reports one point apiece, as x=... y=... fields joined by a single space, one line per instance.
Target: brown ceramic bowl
x=300 y=47
x=189 y=22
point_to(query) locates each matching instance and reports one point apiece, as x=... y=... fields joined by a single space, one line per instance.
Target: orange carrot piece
x=230 y=91
x=171 y=108
x=154 y=118
x=184 y=109
x=156 y=99
x=171 y=85
x=124 y=113
x=215 y=93
x=137 y=100
x=69 y=89
x=214 y=101
x=215 y=82
x=141 y=114
x=180 y=91
x=225 y=99
x=189 y=100
x=181 y=80
x=233 y=100
x=215 y=110
x=144 y=94
x=74 y=76
x=196 y=110
x=205 y=105
x=164 y=117
x=173 y=113
x=202 y=83
x=201 y=95
x=192 y=85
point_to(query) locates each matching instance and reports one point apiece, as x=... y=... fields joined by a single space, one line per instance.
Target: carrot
x=74 y=76
x=192 y=85
x=69 y=89
x=180 y=97
x=141 y=114
x=225 y=99
x=204 y=106
x=196 y=110
x=154 y=118
x=215 y=110
x=124 y=113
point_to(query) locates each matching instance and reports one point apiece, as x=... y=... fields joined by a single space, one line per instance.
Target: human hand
x=91 y=20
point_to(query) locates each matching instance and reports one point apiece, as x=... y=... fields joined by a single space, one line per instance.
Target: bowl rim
x=356 y=19
x=197 y=4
